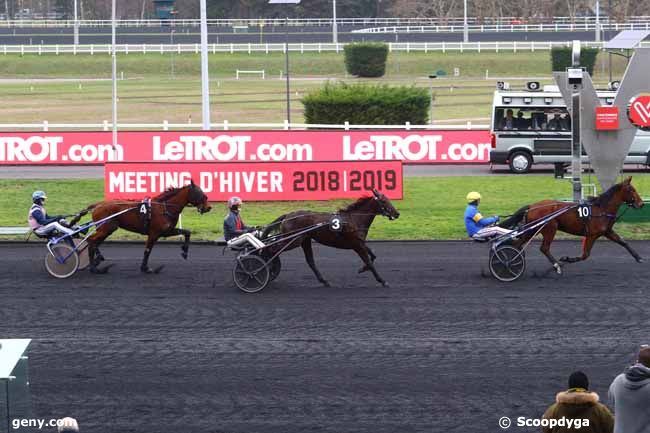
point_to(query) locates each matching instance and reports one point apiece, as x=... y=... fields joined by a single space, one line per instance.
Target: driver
x=40 y=222
x=477 y=226
x=234 y=230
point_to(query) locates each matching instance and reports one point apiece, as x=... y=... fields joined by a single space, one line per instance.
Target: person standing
x=629 y=394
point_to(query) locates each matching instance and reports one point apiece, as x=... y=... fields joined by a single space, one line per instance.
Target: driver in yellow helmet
x=477 y=226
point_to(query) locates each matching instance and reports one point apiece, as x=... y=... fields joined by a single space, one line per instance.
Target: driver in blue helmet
x=42 y=223
x=477 y=226
x=235 y=232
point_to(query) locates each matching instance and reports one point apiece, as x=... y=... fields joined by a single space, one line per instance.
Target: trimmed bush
x=361 y=104
x=366 y=59
x=561 y=58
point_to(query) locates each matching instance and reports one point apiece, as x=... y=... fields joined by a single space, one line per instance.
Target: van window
x=531 y=119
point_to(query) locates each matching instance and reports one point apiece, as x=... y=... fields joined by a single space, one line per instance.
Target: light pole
x=465 y=27
x=286 y=53
x=205 y=76
x=597 y=38
x=335 y=32
x=433 y=96
x=114 y=74
x=76 y=24
x=171 y=42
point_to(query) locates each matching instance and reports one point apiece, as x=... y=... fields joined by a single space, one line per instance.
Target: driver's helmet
x=473 y=196
x=38 y=196
x=234 y=202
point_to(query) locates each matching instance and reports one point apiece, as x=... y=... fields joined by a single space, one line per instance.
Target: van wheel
x=520 y=162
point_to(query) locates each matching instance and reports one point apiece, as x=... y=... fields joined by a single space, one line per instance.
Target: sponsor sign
x=606 y=118
x=259 y=181
x=411 y=147
x=639 y=111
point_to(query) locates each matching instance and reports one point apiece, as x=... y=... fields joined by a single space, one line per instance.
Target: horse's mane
x=168 y=193
x=605 y=197
x=356 y=205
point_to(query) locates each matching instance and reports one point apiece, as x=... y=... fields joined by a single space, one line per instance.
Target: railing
x=505 y=28
x=452 y=21
x=46 y=126
x=104 y=49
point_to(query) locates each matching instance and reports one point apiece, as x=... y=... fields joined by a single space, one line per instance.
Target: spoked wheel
x=62 y=262
x=82 y=251
x=507 y=263
x=251 y=273
x=275 y=268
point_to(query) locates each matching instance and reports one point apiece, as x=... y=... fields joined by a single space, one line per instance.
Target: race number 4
x=336 y=224
x=143 y=209
x=584 y=211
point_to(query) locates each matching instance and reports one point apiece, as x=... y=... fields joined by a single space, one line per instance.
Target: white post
x=76 y=24
x=335 y=34
x=465 y=28
x=205 y=77
x=114 y=75
x=597 y=39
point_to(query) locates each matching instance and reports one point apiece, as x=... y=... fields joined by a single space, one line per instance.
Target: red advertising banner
x=259 y=181
x=411 y=147
x=606 y=118
x=639 y=111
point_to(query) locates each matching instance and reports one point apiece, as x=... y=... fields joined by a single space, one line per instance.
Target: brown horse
x=159 y=220
x=349 y=233
x=598 y=218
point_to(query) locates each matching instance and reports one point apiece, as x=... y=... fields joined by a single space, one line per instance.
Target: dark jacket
x=579 y=405
x=234 y=226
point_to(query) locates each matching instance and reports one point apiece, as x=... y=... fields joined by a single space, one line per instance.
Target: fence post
x=286 y=125
x=266 y=47
x=232 y=49
x=126 y=49
x=46 y=125
x=165 y=125
x=407 y=126
x=249 y=48
x=144 y=48
x=443 y=47
x=347 y=125
x=226 y=125
x=214 y=48
x=105 y=125
x=514 y=46
x=22 y=50
x=497 y=46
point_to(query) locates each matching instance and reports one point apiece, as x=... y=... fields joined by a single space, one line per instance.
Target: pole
x=465 y=27
x=576 y=149
x=205 y=76
x=286 y=68
x=335 y=32
x=114 y=74
x=7 y=9
x=76 y=24
x=432 y=99
x=597 y=21
x=609 y=25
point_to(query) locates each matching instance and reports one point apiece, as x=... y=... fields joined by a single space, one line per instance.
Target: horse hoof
x=558 y=268
x=385 y=284
x=100 y=271
x=184 y=255
x=326 y=283
x=639 y=260
x=146 y=270
x=158 y=269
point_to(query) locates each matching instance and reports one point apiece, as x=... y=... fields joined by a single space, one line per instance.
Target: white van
x=534 y=127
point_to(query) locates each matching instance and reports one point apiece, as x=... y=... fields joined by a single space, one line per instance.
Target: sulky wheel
x=275 y=268
x=507 y=263
x=82 y=251
x=62 y=261
x=251 y=273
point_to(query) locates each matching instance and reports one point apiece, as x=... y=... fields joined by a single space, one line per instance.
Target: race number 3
x=336 y=224
x=584 y=211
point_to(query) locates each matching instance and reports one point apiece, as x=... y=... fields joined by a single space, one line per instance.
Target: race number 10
x=354 y=180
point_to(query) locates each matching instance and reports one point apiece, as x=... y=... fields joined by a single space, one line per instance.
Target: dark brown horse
x=163 y=213
x=597 y=219
x=349 y=233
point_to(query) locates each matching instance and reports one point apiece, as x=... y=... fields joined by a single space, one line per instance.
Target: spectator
x=577 y=403
x=68 y=425
x=521 y=122
x=555 y=124
x=508 y=122
x=629 y=394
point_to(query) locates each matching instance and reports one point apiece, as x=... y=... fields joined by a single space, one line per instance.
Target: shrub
x=366 y=59
x=362 y=104
x=561 y=58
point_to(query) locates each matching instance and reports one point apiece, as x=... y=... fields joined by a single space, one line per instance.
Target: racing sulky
x=348 y=229
x=155 y=218
x=596 y=219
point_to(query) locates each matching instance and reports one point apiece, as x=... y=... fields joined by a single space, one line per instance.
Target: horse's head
x=384 y=206
x=197 y=197
x=629 y=194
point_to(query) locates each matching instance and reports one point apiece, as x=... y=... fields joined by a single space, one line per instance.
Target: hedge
x=366 y=59
x=362 y=104
x=561 y=58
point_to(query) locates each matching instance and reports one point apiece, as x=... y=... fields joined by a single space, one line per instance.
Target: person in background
x=577 y=403
x=477 y=226
x=508 y=122
x=629 y=395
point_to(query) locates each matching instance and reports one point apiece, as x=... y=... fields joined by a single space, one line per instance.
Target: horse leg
x=309 y=256
x=587 y=244
x=94 y=256
x=186 y=244
x=548 y=233
x=372 y=255
x=613 y=236
x=362 y=250
x=144 y=267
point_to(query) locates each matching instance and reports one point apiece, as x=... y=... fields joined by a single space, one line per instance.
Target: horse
x=155 y=218
x=350 y=233
x=599 y=221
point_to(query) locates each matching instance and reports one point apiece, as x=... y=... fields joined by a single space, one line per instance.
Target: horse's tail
x=273 y=226
x=82 y=213
x=513 y=220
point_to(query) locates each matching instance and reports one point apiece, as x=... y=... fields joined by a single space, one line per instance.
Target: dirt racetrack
x=444 y=349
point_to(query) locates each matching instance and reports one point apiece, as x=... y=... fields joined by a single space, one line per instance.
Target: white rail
x=105 y=49
x=46 y=126
x=508 y=28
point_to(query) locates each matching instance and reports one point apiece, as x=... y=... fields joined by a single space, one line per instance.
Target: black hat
x=578 y=380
